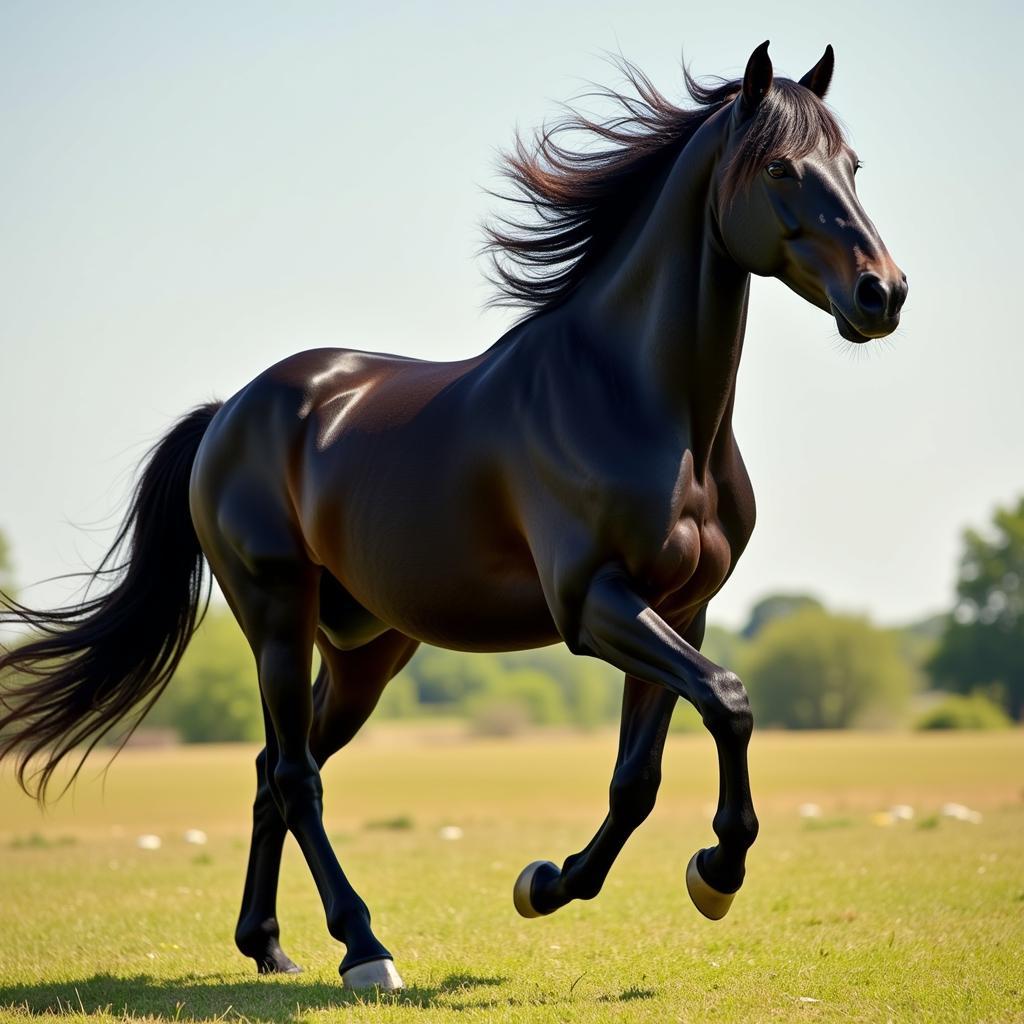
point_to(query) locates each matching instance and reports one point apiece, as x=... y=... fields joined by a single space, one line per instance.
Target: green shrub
x=956 y=712
x=816 y=670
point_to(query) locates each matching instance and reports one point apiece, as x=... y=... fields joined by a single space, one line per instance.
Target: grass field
x=841 y=919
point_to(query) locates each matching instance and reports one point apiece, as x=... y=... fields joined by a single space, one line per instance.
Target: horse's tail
x=90 y=665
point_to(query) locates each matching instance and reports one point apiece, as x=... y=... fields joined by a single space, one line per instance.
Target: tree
x=983 y=642
x=534 y=692
x=776 y=606
x=214 y=696
x=723 y=646
x=816 y=670
x=958 y=712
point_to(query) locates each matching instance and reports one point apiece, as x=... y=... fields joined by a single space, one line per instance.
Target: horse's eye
x=776 y=169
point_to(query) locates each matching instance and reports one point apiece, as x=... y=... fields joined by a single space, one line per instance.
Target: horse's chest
x=685 y=565
x=693 y=562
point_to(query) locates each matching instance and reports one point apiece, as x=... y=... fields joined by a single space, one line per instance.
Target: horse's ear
x=819 y=77
x=757 y=79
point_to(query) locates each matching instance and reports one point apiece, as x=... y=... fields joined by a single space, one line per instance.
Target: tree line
x=805 y=666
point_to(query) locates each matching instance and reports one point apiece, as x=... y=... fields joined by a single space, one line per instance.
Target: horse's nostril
x=900 y=294
x=871 y=295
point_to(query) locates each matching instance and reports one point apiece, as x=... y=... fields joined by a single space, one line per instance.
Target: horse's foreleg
x=617 y=625
x=646 y=712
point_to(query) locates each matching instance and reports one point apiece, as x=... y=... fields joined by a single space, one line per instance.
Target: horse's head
x=787 y=203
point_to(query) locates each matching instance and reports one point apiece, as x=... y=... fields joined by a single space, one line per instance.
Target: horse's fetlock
x=586 y=889
x=578 y=883
x=736 y=829
x=348 y=924
x=251 y=937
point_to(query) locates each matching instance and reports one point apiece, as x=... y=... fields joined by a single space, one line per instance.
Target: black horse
x=577 y=482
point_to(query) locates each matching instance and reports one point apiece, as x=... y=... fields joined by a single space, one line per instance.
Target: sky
x=191 y=191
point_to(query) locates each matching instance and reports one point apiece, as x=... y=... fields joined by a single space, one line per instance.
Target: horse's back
x=280 y=433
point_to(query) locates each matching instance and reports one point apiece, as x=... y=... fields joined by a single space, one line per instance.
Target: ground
x=843 y=918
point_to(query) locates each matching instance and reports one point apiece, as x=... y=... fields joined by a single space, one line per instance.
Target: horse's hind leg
x=258 y=934
x=346 y=691
x=277 y=604
x=543 y=887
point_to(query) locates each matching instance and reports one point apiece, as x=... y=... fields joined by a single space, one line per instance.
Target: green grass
x=841 y=919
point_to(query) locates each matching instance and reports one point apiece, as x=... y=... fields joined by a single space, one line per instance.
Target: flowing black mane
x=583 y=197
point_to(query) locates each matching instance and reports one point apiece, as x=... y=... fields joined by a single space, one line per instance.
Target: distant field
x=841 y=919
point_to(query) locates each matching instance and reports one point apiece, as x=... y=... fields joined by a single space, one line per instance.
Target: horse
x=577 y=482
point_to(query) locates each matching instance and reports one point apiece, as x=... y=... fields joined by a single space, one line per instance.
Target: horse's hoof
x=521 y=891
x=379 y=974
x=710 y=902
x=278 y=965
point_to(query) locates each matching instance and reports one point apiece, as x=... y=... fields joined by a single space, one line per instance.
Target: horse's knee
x=633 y=792
x=725 y=708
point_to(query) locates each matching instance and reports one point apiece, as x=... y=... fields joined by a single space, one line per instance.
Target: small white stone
x=902 y=812
x=149 y=842
x=809 y=811
x=961 y=813
x=450 y=832
x=195 y=836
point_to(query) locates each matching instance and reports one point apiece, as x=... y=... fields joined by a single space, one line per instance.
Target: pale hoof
x=380 y=974
x=521 y=890
x=710 y=902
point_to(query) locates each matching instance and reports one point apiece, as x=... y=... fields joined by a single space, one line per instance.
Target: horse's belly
x=468 y=614
x=438 y=587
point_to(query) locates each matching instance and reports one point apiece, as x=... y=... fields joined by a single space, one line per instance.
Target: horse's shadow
x=256 y=1000
x=194 y=997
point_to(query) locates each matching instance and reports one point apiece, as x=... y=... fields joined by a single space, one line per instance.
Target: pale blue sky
x=190 y=191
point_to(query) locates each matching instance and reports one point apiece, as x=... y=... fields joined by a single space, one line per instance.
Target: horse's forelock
x=789 y=123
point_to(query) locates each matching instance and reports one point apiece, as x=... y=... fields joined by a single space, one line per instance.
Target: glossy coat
x=578 y=482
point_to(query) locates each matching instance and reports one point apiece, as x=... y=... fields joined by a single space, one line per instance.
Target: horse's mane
x=582 y=198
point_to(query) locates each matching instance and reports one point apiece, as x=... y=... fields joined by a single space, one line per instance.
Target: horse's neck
x=677 y=301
